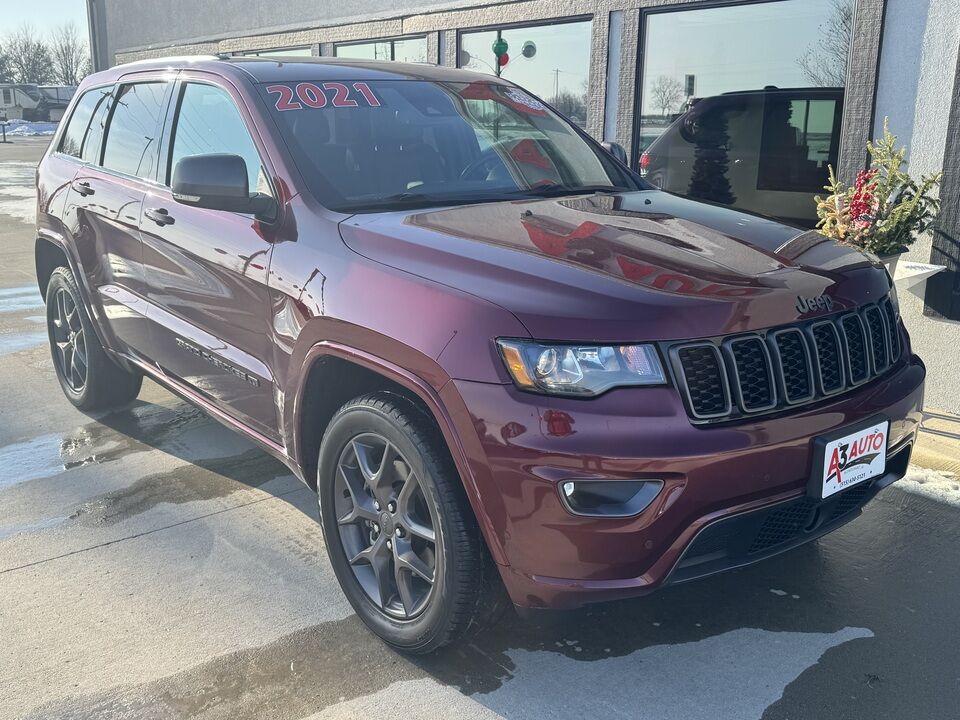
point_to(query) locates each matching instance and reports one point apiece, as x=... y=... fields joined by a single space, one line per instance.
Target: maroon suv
x=501 y=358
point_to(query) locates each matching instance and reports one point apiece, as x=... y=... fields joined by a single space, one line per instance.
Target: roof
x=267 y=69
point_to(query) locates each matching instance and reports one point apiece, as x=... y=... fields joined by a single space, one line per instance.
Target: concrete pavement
x=155 y=565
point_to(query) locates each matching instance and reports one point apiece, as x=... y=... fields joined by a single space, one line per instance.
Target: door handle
x=159 y=215
x=82 y=187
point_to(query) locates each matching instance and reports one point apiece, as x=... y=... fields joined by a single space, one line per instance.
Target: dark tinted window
x=81 y=138
x=209 y=122
x=134 y=132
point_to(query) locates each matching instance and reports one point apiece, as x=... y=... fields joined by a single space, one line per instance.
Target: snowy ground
x=25 y=128
x=934 y=484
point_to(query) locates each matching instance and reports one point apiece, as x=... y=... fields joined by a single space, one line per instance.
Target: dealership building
x=792 y=86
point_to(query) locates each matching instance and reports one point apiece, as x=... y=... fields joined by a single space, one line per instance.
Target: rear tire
x=376 y=448
x=88 y=377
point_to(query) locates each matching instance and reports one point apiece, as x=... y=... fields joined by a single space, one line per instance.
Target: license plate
x=849 y=459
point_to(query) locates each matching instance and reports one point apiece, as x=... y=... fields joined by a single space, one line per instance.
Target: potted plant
x=885 y=210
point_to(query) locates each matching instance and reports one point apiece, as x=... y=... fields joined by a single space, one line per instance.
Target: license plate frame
x=870 y=461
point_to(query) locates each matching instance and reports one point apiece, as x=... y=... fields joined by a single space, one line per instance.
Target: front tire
x=89 y=379
x=400 y=534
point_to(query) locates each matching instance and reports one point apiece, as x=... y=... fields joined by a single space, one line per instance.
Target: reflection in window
x=551 y=61
x=403 y=50
x=131 y=144
x=210 y=123
x=741 y=105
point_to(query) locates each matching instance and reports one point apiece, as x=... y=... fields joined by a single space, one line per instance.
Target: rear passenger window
x=134 y=131
x=209 y=122
x=81 y=139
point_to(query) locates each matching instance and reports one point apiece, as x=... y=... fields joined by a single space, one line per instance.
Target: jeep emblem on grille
x=814 y=304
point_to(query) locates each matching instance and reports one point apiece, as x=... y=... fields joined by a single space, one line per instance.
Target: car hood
x=627 y=267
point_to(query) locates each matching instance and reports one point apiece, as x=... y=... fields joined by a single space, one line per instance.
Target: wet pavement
x=155 y=565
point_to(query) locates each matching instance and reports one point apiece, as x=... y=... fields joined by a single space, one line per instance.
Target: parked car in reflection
x=765 y=151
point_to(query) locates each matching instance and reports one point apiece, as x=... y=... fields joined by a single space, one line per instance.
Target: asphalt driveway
x=155 y=565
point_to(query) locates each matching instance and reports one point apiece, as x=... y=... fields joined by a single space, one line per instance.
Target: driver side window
x=209 y=122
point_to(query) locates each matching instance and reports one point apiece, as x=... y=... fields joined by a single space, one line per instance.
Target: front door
x=206 y=270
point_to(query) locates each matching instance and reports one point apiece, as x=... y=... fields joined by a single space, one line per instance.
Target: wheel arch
x=48 y=256
x=353 y=372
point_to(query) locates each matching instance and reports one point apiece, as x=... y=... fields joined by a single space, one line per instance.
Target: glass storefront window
x=551 y=61
x=285 y=52
x=404 y=50
x=741 y=105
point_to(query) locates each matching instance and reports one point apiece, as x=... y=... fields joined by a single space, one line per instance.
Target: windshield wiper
x=555 y=189
x=412 y=199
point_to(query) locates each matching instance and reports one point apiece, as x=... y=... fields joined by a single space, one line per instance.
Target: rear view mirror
x=616 y=149
x=217 y=182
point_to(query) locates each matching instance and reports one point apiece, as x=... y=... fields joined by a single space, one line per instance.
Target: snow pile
x=23 y=128
x=29 y=128
x=934 y=484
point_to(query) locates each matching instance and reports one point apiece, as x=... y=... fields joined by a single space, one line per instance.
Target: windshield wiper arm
x=551 y=189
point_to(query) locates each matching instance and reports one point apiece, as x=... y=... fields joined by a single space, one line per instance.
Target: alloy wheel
x=69 y=341
x=387 y=528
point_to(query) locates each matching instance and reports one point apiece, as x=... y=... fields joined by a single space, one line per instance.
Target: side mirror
x=218 y=182
x=616 y=149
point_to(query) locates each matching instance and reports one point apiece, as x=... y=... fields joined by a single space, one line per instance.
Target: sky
x=733 y=48
x=44 y=15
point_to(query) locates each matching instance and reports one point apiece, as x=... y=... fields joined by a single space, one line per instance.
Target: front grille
x=706 y=386
x=829 y=359
x=729 y=377
x=793 y=360
x=878 y=338
x=855 y=347
x=754 y=377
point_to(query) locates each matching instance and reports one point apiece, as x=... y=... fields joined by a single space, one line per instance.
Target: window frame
x=392 y=40
x=69 y=118
x=165 y=105
x=172 y=117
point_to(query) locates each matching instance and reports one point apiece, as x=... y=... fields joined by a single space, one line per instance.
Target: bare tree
x=69 y=54
x=824 y=62
x=667 y=93
x=6 y=73
x=29 y=57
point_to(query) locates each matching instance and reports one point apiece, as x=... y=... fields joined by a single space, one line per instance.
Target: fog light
x=609 y=498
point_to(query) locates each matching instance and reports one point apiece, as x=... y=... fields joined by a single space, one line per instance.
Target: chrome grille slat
x=751 y=374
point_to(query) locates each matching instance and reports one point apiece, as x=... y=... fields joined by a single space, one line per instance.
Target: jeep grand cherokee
x=503 y=361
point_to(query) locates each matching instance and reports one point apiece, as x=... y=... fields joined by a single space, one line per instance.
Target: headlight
x=583 y=370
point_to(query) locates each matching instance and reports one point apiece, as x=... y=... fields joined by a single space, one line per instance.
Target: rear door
x=206 y=270
x=103 y=207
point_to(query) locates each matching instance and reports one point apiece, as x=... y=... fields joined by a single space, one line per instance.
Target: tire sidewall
x=433 y=620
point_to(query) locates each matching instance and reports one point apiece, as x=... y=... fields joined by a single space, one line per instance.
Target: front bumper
x=725 y=486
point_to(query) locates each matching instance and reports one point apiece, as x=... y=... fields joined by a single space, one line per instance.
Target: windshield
x=365 y=146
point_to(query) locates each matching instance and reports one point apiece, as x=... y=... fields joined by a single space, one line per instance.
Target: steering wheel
x=488 y=161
